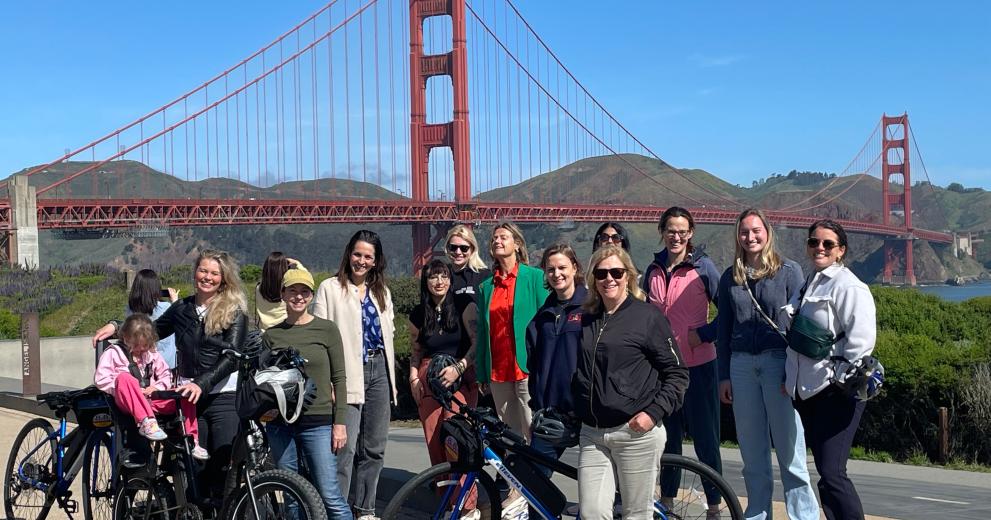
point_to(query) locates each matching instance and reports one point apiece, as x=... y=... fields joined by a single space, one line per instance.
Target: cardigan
x=343 y=307
x=530 y=294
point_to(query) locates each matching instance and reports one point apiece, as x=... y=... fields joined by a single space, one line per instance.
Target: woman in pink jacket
x=681 y=282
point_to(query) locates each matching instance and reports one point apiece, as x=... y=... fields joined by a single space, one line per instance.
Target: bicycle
x=165 y=488
x=44 y=462
x=443 y=491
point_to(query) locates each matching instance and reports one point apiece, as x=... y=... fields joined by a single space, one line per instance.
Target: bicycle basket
x=92 y=408
x=461 y=444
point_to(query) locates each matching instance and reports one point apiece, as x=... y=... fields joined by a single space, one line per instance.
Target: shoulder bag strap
x=761 y=311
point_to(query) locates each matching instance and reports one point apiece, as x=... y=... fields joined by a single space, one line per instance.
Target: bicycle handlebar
x=167 y=394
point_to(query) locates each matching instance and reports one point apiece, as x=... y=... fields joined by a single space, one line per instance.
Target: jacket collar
x=576 y=300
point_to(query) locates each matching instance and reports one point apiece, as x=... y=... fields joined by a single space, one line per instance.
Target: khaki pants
x=511 y=405
x=636 y=458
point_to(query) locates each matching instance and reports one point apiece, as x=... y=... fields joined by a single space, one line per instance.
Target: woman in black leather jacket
x=203 y=324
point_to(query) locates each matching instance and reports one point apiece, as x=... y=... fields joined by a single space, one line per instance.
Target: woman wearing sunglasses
x=469 y=269
x=681 y=282
x=611 y=233
x=629 y=378
x=837 y=301
x=755 y=299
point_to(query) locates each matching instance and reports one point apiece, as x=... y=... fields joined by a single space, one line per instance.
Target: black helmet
x=441 y=393
x=862 y=379
x=557 y=428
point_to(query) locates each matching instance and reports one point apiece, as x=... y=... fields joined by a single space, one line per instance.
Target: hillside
x=627 y=179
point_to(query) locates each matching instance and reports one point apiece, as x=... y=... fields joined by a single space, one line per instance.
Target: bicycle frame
x=68 y=448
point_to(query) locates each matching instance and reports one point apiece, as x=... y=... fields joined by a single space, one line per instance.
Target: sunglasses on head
x=826 y=244
x=454 y=248
x=615 y=238
x=617 y=273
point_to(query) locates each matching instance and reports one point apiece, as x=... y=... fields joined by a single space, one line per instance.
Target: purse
x=804 y=336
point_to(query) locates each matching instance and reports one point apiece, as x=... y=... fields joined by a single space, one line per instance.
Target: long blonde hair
x=522 y=256
x=593 y=302
x=465 y=233
x=770 y=260
x=222 y=310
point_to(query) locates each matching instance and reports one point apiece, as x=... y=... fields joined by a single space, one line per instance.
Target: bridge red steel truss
x=103 y=213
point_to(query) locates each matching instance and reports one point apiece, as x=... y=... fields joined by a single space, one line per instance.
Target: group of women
x=636 y=359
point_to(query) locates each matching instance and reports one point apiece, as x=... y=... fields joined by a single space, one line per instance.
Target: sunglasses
x=617 y=273
x=826 y=244
x=454 y=248
x=615 y=238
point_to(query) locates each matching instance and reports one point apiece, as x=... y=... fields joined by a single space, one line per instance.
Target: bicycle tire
x=137 y=499
x=268 y=486
x=691 y=502
x=98 y=477
x=416 y=495
x=42 y=466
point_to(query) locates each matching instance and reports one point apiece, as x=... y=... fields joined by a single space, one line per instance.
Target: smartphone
x=164 y=293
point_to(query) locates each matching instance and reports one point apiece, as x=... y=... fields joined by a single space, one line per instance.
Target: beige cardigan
x=343 y=307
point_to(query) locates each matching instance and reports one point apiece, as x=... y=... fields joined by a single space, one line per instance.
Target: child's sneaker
x=150 y=430
x=199 y=453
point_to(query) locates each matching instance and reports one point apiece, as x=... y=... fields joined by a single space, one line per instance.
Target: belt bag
x=809 y=339
x=275 y=382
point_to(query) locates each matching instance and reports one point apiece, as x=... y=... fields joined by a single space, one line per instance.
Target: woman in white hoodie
x=358 y=301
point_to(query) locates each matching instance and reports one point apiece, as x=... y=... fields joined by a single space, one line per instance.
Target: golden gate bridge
x=426 y=113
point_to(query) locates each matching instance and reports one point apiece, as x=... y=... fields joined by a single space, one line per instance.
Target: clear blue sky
x=741 y=89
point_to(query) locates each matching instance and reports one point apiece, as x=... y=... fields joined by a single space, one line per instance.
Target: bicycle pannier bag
x=461 y=444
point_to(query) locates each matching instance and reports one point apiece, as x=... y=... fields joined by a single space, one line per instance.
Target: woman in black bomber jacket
x=204 y=324
x=629 y=377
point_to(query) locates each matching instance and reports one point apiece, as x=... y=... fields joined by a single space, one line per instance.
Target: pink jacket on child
x=113 y=362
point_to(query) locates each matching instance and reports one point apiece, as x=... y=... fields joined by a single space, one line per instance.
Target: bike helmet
x=441 y=393
x=556 y=428
x=862 y=379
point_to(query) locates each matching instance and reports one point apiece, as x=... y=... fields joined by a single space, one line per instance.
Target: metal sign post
x=30 y=354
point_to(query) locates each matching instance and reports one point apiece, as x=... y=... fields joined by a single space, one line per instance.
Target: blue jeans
x=700 y=413
x=760 y=406
x=314 y=442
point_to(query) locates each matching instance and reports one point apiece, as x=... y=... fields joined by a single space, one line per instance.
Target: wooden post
x=30 y=354
x=944 y=435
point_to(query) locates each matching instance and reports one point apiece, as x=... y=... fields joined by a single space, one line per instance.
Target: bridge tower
x=452 y=134
x=897 y=150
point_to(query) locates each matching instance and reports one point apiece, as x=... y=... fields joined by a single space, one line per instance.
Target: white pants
x=511 y=405
x=636 y=458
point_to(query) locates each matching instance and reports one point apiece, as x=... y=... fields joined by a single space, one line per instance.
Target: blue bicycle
x=462 y=489
x=44 y=461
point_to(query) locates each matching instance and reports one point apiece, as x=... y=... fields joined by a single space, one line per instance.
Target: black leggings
x=218 y=423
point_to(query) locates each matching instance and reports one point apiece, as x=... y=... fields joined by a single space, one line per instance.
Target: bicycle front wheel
x=98 y=476
x=30 y=466
x=700 y=489
x=278 y=494
x=435 y=492
x=139 y=499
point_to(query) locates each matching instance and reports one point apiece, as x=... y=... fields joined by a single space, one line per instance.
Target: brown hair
x=521 y=255
x=139 y=330
x=569 y=253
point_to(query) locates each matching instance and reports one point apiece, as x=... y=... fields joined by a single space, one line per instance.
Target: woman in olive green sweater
x=322 y=424
x=507 y=301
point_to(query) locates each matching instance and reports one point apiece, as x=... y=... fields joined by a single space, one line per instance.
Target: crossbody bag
x=805 y=336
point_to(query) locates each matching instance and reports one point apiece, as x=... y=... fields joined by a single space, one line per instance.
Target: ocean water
x=959 y=293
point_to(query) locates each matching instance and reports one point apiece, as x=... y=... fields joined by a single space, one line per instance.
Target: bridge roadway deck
x=111 y=213
x=887 y=490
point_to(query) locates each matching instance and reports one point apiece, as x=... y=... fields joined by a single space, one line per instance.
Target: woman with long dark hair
x=836 y=301
x=359 y=302
x=146 y=298
x=681 y=282
x=443 y=323
x=756 y=298
x=611 y=233
x=269 y=307
x=628 y=379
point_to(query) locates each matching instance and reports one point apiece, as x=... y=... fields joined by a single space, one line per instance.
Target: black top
x=467 y=281
x=451 y=342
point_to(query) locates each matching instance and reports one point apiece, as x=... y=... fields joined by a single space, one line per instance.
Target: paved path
x=887 y=490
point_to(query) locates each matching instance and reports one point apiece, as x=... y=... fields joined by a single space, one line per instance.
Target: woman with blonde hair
x=629 y=377
x=469 y=269
x=205 y=323
x=756 y=297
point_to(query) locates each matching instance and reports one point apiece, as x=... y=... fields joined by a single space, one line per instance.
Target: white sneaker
x=515 y=507
x=150 y=430
x=474 y=514
x=368 y=517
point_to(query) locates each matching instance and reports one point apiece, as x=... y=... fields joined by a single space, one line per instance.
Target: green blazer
x=529 y=295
